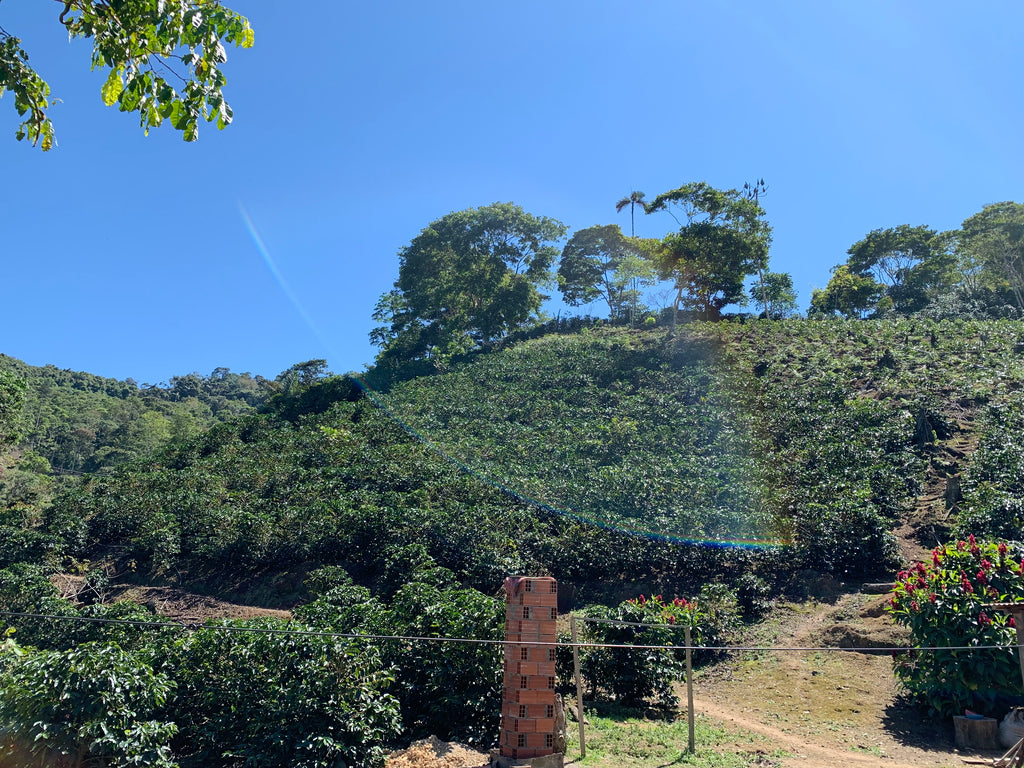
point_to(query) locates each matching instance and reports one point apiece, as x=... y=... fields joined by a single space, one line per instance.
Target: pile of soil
x=434 y=753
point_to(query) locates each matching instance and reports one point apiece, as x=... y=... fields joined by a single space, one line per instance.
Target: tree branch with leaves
x=143 y=44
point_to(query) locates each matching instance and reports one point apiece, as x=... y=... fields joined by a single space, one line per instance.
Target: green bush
x=278 y=700
x=753 y=596
x=943 y=605
x=994 y=482
x=633 y=677
x=94 y=705
x=451 y=690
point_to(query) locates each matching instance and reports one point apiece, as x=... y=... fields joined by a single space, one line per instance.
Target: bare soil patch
x=180 y=605
x=827 y=708
x=168 y=602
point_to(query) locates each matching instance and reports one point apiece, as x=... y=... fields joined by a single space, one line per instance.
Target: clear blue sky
x=357 y=124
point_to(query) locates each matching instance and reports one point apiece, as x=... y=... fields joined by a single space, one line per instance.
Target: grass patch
x=618 y=738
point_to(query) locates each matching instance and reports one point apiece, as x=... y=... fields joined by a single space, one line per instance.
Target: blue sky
x=357 y=124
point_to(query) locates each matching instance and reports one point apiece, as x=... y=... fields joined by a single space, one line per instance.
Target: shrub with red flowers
x=944 y=604
x=632 y=677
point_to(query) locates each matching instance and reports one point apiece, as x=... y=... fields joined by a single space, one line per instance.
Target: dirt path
x=826 y=709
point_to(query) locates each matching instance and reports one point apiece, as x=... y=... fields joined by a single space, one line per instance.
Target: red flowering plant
x=944 y=605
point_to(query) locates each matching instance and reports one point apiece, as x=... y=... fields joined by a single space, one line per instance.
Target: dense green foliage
x=817 y=433
x=448 y=689
x=943 y=603
x=974 y=272
x=81 y=422
x=12 y=398
x=617 y=459
x=240 y=692
x=633 y=678
x=137 y=40
x=465 y=281
x=993 y=488
x=95 y=702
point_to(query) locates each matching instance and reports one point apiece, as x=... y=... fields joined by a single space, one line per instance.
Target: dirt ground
x=168 y=602
x=827 y=709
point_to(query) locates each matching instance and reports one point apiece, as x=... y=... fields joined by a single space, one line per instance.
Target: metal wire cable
x=481 y=641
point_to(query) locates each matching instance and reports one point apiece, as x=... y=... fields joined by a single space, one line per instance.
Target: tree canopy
x=601 y=263
x=139 y=42
x=465 y=281
x=775 y=294
x=725 y=240
x=992 y=241
x=847 y=294
x=910 y=264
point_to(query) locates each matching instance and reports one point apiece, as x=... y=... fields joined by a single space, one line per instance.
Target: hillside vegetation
x=550 y=454
x=722 y=459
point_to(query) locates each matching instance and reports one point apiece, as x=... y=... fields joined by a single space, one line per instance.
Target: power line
x=483 y=641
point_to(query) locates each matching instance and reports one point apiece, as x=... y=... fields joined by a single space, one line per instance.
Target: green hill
x=704 y=466
x=600 y=456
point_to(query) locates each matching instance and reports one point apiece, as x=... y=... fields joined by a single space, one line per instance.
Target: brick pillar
x=528 y=703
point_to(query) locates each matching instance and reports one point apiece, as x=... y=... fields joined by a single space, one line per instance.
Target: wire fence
x=195 y=626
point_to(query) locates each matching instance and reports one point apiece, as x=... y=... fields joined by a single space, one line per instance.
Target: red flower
x=1002 y=549
x=671 y=619
x=914 y=606
x=981 y=578
x=1011 y=622
x=932 y=598
x=961 y=545
x=972 y=539
x=643 y=600
x=985 y=565
x=965 y=585
x=983 y=619
x=935 y=557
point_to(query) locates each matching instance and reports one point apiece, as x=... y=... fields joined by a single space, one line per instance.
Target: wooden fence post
x=579 y=684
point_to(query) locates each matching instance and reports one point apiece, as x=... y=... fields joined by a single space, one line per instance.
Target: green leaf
x=112 y=88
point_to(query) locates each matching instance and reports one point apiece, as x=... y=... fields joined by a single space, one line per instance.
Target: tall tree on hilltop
x=725 y=240
x=632 y=200
x=910 y=264
x=775 y=293
x=993 y=239
x=466 y=281
x=601 y=263
x=849 y=294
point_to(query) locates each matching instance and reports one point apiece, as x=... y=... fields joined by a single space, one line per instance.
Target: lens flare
x=281 y=282
x=565 y=512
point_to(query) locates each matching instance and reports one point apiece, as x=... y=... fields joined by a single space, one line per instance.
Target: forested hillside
x=719 y=459
x=593 y=455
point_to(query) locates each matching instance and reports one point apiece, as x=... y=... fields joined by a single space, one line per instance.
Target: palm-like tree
x=635 y=198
